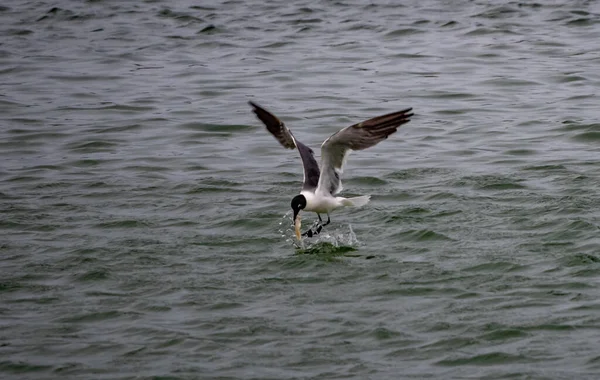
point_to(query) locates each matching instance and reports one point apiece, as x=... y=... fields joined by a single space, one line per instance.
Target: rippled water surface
x=145 y=221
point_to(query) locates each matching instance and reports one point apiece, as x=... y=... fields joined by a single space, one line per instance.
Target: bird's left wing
x=287 y=140
x=355 y=137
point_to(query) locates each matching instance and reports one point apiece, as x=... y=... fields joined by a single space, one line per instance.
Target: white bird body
x=321 y=203
x=326 y=203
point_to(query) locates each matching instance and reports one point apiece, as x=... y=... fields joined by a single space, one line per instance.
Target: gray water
x=145 y=226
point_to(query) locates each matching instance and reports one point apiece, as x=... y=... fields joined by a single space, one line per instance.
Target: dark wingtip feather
x=274 y=125
x=254 y=105
x=257 y=109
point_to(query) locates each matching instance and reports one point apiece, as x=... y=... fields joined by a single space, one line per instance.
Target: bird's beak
x=297 y=225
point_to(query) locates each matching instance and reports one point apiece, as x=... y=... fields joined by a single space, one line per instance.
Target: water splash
x=332 y=239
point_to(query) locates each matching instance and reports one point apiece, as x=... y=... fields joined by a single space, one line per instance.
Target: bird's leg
x=320 y=226
x=308 y=233
x=311 y=233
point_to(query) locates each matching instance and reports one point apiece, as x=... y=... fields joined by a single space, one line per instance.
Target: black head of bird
x=298 y=203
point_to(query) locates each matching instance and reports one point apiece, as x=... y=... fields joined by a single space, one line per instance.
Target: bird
x=322 y=182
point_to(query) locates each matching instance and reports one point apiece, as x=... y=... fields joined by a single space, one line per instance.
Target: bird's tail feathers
x=357 y=201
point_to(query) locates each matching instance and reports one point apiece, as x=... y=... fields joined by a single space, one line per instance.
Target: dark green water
x=145 y=222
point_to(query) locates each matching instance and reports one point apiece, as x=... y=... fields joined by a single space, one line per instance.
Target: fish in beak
x=297 y=225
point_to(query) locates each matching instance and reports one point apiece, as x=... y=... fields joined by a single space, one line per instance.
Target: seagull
x=322 y=183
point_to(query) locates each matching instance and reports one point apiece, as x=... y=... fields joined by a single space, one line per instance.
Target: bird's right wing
x=287 y=140
x=355 y=137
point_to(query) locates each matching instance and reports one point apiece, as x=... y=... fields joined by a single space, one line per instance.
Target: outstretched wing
x=355 y=137
x=285 y=138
